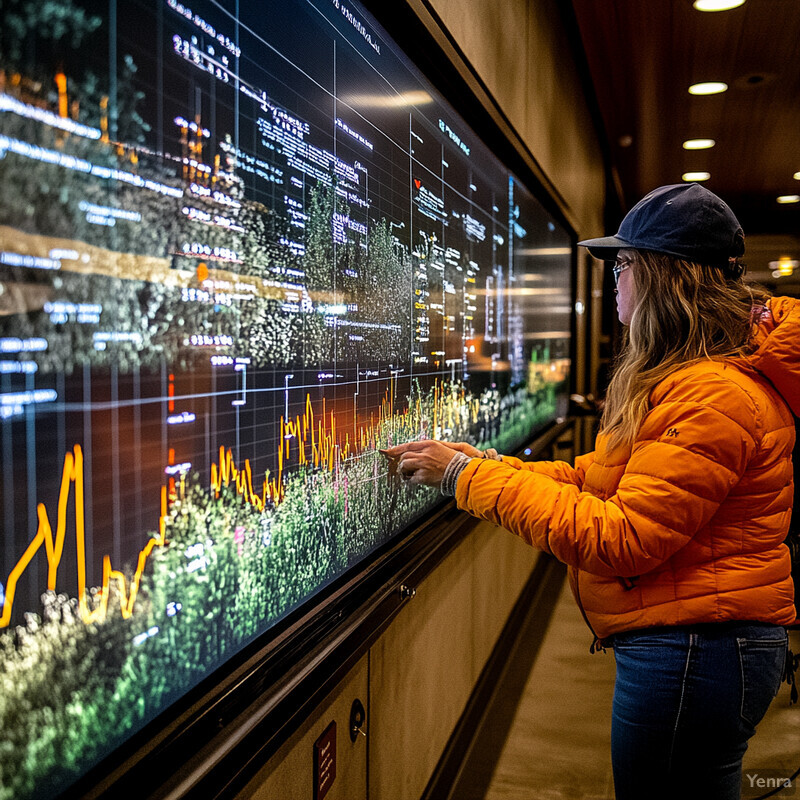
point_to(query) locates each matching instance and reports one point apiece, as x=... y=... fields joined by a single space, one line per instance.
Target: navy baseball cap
x=683 y=220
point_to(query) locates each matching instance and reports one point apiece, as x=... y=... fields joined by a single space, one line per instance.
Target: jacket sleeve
x=559 y=471
x=687 y=457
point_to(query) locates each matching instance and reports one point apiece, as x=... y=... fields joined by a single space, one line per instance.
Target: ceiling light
x=710 y=87
x=698 y=144
x=789 y=198
x=695 y=176
x=796 y=176
x=717 y=5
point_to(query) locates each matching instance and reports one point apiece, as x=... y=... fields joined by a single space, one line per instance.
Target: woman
x=673 y=527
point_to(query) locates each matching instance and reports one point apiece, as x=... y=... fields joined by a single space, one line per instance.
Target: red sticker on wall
x=325 y=762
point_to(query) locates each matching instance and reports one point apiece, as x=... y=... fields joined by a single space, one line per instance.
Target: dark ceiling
x=644 y=54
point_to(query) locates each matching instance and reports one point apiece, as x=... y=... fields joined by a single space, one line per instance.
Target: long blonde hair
x=685 y=312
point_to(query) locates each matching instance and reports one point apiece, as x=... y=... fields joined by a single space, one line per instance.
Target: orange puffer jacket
x=688 y=524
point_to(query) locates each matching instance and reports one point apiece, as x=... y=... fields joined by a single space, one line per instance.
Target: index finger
x=395 y=452
x=407 y=447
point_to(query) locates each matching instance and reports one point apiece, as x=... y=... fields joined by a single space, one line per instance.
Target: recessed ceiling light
x=710 y=87
x=698 y=144
x=696 y=176
x=717 y=5
x=789 y=198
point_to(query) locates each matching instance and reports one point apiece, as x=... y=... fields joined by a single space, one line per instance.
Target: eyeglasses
x=620 y=266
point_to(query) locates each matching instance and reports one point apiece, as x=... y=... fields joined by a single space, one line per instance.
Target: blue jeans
x=686 y=701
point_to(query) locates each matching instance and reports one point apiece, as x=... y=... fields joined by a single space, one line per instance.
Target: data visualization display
x=243 y=246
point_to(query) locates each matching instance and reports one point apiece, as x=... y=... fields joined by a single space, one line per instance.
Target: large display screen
x=243 y=245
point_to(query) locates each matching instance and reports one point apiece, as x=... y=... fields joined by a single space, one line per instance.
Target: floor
x=558 y=743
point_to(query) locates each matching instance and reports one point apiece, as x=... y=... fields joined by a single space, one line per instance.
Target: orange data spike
x=162 y=522
x=245 y=485
x=104 y=118
x=301 y=445
x=61 y=83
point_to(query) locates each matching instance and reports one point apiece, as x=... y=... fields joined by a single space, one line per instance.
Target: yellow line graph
x=54 y=548
x=317 y=442
x=327 y=452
